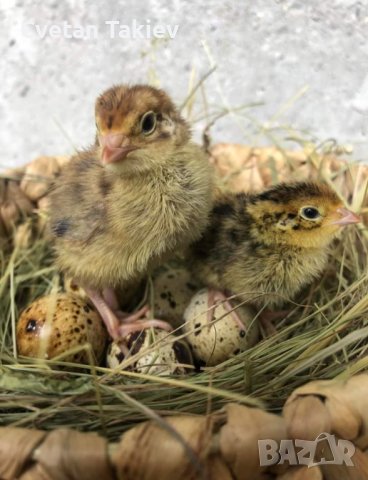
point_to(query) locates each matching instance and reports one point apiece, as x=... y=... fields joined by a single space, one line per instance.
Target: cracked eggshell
x=167 y=358
x=216 y=342
x=54 y=324
x=173 y=288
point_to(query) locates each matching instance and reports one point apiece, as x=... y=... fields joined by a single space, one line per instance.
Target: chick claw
x=215 y=297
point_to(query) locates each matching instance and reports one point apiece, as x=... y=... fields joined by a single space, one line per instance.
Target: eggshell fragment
x=173 y=287
x=159 y=353
x=217 y=341
x=54 y=324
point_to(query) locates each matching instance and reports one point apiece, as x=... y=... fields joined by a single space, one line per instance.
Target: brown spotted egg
x=173 y=287
x=156 y=351
x=54 y=324
x=215 y=341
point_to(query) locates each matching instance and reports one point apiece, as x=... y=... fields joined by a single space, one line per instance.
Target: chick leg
x=111 y=321
x=214 y=298
x=110 y=298
x=132 y=322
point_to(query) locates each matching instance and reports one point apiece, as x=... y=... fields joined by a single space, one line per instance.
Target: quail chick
x=266 y=247
x=142 y=192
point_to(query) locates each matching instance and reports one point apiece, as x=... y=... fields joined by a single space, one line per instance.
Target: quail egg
x=214 y=341
x=54 y=324
x=173 y=288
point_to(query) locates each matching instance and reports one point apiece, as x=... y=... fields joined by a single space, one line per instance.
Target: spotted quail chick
x=266 y=247
x=141 y=193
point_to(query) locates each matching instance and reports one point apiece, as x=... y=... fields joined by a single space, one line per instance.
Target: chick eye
x=148 y=123
x=310 y=213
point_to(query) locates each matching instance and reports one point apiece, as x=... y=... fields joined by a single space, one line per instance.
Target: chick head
x=304 y=214
x=138 y=128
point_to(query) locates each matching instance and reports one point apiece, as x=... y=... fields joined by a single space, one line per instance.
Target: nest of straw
x=323 y=337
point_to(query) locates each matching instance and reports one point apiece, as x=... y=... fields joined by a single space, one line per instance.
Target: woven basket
x=221 y=445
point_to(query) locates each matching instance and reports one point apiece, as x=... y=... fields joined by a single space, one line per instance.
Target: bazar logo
x=306 y=452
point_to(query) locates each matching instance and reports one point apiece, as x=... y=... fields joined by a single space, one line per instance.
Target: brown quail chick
x=266 y=247
x=122 y=206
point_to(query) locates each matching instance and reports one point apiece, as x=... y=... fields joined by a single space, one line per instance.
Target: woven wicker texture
x=221 y=446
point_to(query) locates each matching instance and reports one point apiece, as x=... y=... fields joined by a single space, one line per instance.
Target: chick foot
x=105 y=305
x=109 y=317
x=132 y=317
x=132 y=322
x=111 y=299
x=215 y=297
x=138 y=325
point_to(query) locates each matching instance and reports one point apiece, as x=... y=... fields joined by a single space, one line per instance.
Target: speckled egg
x=54 y=324
x=168 y=357
x=215 y=342
x=173 y=287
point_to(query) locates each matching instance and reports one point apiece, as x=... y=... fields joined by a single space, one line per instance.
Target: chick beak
x=115 y=147
x=347 y=217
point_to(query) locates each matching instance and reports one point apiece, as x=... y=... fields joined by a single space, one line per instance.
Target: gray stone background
x=300 y=67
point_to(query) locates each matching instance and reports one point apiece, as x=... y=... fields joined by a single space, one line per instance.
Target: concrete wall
x=306 y=62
